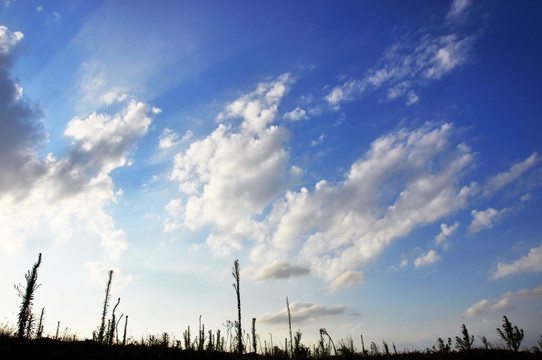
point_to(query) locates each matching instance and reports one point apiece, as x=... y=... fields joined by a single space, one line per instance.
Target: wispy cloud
x=532 y=262
x=457 y=9
x=500 y=180
x=302 y=312
x=505 y=302
x=409 y=64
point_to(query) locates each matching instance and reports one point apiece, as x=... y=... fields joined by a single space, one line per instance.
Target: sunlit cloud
x=66 y=193
x=532 y=262
x=506 y=301
x=302 y=312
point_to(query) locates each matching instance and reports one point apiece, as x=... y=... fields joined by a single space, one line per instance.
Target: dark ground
x=45 y=348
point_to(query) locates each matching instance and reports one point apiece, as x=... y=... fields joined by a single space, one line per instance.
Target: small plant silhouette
x=236 y=277
x=290 y=326
x=511 y=335
x=466 y=342
x=101 y=330
x=324 y=332
x=26 y=319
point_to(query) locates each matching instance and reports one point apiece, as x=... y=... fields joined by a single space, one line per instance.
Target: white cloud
x=485 y=219
x=499 y=181
x=235 y=182
x=21 y=129
x=458 y=8
x=347 y=279
x=445 y=231
x=69 y=194
x=168 y=139
x=231 y=175
x=296 y=114
x=99 y=274
x=532 y=262
x=302 y=312
x=408 y=64
x=429 y=258
x=486 y=306
x=355 y=220
x=281 y=269
x=412 y=98
x=114 y=95
x=319 y=141
x=8 y=39
x=505 y=302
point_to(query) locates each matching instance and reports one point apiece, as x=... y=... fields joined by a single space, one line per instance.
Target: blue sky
x=376 y=162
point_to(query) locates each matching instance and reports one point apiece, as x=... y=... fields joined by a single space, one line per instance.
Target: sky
x=376 y=162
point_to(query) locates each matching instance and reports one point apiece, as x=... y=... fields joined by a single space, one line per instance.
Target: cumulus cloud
x=233 y=174
x=429 y=258
x=281 y=269
x=8 y=40
x=445 y=231
x=505 y=302
x=21 y=129
x=532 y=262
x=67 y=194
x=499 y=181
x=302 y=312
x=384 y=196
x=235 y=183
x=485 y=219
x=408 y=64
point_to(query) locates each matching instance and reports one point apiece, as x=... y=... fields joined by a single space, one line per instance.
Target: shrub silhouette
x=26 y=293
x=511 y=335
x=466 y=342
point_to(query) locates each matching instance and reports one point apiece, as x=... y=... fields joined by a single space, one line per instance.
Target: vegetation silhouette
x=236 y=277
x=101 y=328
x=22 y=342
x=511 y=335
x=26 y=293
